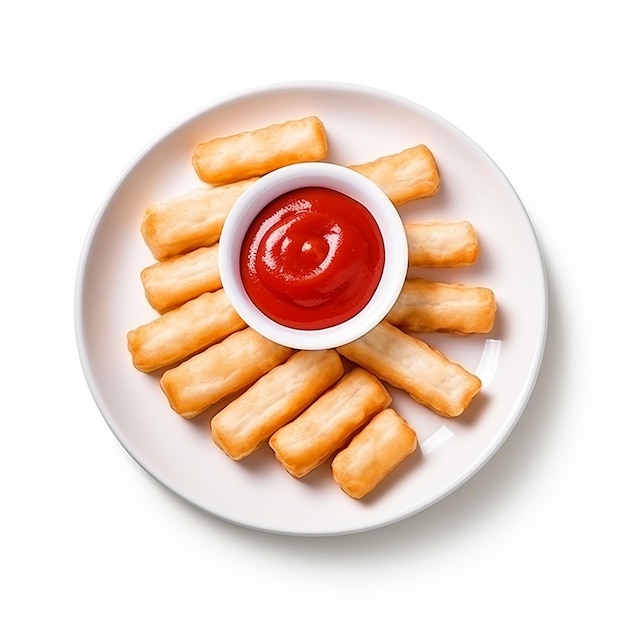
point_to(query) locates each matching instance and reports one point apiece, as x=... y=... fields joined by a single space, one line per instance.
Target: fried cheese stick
x=424 y=306
x=170 y=283
x=373 y=453
x=275 y=399
x=253 y=153
x=190 y=221
x=404 y=176
x=222 y=369
x=328 y=424
x=183 y=331
x=442 y=244
x=408 y=363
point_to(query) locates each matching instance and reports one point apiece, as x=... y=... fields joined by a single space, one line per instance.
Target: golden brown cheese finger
x=221 y=370
x=404 y=176
x=191 y=221
x=373 y=453
x=327 y=425
x=424 y=306
x=442 y=244
x=256 y=152
x=274 y=400
x=408 y=363
x=170 y=283
x=181 y=332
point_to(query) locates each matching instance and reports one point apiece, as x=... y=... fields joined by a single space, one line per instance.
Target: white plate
x=362 y=124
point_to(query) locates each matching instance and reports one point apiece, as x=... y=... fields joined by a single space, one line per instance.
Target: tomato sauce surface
x=312 y=258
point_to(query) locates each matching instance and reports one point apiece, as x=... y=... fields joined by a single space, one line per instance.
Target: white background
x=536 y=537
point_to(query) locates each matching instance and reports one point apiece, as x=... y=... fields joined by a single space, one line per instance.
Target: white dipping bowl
x=337 y=178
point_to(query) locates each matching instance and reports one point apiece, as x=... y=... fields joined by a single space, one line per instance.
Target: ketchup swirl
x=312 y=258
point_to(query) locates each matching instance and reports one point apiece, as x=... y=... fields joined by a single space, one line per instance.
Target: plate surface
x=362 y=124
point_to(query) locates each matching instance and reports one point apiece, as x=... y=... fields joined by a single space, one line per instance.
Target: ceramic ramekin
x=338 y=178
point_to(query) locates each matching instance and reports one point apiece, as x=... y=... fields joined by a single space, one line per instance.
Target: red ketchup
x=312 y=258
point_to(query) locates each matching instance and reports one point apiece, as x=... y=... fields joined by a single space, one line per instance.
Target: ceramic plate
x=362 y=124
